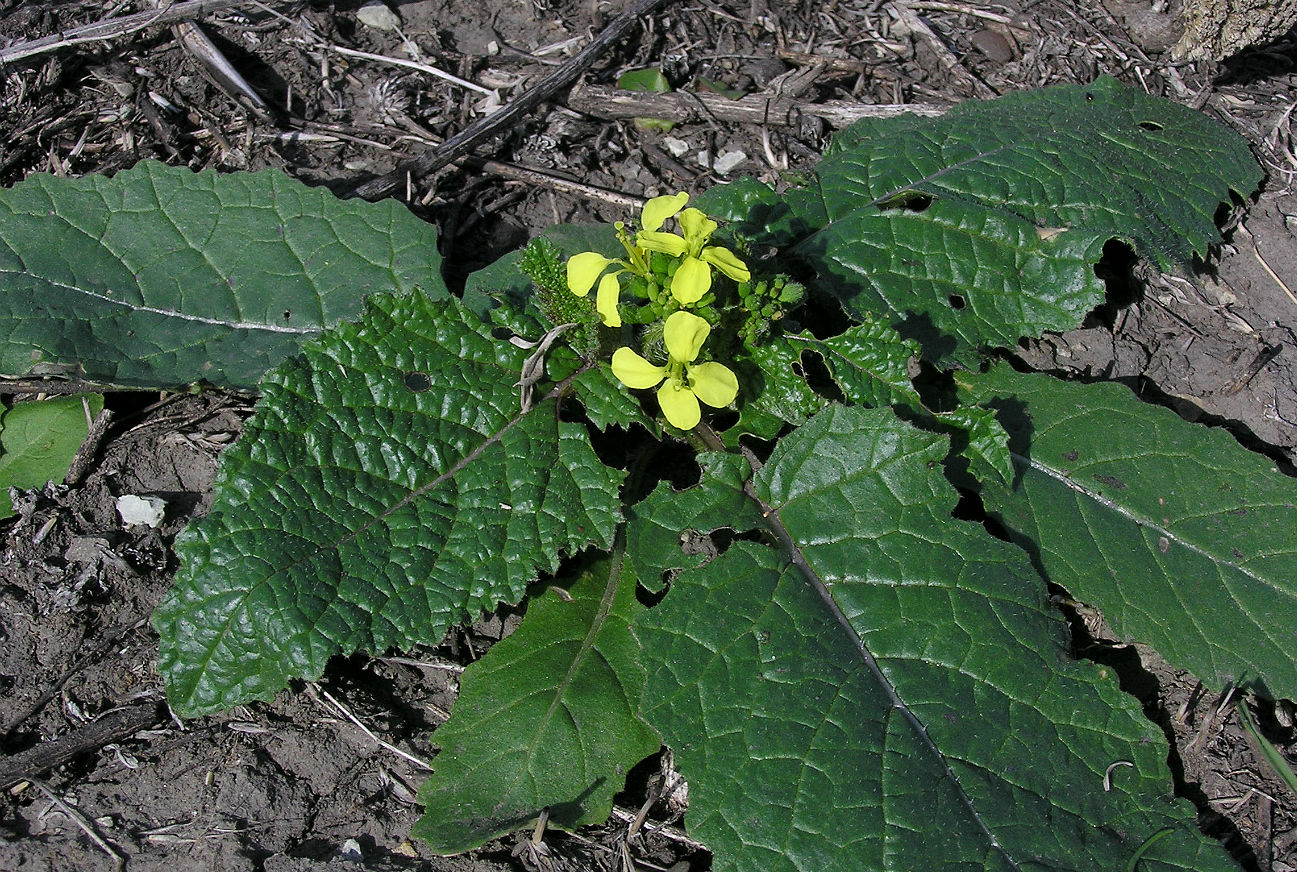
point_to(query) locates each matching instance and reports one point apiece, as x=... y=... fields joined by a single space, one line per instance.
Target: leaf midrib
x=166 y=313
x=601 y=614
x=797 y=558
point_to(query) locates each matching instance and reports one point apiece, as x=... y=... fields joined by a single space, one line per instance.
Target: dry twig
x=111 y=28
x=467 y=139
x=774 y=109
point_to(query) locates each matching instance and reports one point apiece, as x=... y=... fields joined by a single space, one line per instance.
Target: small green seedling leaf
x=39 y=439
x=1271 y=754
x=547 y=719
x=388 y=487
x=651 y=81
x=712 y=86
x=160 y=276
x=1178 y=535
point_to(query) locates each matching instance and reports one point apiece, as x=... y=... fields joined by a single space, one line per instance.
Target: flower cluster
x=690 y=277
x=683 y=382
x=669 y=273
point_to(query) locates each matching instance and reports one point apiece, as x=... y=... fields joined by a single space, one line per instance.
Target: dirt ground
x=93 y=771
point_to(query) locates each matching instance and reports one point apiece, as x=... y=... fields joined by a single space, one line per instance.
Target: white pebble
x=727 y=161
x=378 y=16
x=137 y=511
x=677 y=147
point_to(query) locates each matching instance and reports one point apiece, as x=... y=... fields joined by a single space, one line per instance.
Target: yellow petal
x=606 y=299
x=692 y=280
x=634 y=371
x=684 y=334
x=727 y=262
x=660 y=240
x=697 y=226
x=714 y=384
x=659 y=209
x=679 y=405
x=583 y=269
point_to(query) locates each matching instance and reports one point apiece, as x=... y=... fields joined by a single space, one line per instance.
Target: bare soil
x=323 y=777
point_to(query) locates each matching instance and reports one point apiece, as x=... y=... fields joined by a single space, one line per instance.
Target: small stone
x=378 y=16
x=726 y=161
x=677 y=147
x=137 y=511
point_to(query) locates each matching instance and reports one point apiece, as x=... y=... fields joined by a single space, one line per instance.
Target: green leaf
x=160 y=276
x=870 y=363
x=546 y=720
x=889 y=690
x=976 y=228
x=1180 y=537
x=650 y=80
x=40 y=438
x=704 y=84
x=763 y=218
x=387 y=488
x=664 y=529
x=985 y=441
x=866 y=365
x=774 y=390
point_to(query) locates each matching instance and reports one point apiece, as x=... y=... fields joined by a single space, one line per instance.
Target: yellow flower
x=583 y=269
x=693 y=278
x=683 y=382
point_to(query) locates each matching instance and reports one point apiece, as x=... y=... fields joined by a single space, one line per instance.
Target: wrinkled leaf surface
x=388 y=487
x=160 y=276
x=890 y=690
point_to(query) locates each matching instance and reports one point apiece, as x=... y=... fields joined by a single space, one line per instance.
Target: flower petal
x=606 y=299
x=727 y=262
x=660 y=240
x=697 y=227
x=684 y=334
x=692 y=280
x=659 y=209
x=679 y=405
x=714 y=383
x=634 y=371
x=583 y=269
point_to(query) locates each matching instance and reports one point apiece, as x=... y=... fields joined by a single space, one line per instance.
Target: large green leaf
x=387 y=488
x=38 y=440
x=160 y=276
x=546 y=720
x=889 y=690
x=1184 y=540
x=984 y=225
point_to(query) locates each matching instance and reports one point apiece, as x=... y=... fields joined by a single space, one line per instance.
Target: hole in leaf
x=818 y=378
x=913 y=201
x=418 y=382
x=1149 y=125
x=648 y=597
x=1089 y=98
x=957 y=302
x=1116 y=269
